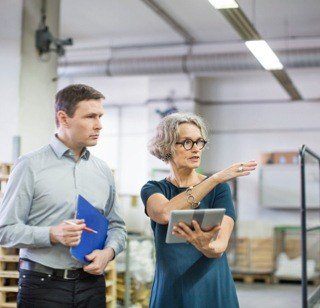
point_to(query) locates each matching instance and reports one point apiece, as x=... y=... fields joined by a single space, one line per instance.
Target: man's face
x=85 y=125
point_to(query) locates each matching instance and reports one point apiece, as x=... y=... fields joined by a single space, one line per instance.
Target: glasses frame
x=193 y=143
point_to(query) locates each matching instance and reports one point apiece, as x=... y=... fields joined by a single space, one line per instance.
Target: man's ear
x=63 y=118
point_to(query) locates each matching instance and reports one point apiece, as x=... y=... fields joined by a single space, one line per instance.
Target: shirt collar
x=60 y=149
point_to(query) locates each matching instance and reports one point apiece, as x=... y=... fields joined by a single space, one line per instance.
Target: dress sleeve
x=223 y=199
x=148 y=189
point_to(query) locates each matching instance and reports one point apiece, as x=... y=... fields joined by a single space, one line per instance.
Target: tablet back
x=207 y=219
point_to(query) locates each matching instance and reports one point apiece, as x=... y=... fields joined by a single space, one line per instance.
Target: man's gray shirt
x=42 y=192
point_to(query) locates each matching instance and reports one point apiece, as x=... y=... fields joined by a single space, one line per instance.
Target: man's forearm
x=24 y=236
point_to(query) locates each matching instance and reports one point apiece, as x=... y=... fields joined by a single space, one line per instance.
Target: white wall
x=241 y=132
x=37 y=79
x=125 y=126
x=130 y=122
x=9 y=74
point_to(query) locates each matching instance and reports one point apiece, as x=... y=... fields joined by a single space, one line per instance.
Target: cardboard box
x=280 y=158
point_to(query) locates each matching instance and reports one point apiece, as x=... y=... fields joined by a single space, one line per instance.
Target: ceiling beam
x=246 y=30
x=286 y=82
x=176 y=26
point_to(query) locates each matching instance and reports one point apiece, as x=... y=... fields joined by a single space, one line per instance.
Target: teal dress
x=184 y=277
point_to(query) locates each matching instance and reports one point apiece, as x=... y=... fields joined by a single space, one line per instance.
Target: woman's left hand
x=202 y=240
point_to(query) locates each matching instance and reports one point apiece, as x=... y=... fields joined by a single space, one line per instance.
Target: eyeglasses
x=188 y=143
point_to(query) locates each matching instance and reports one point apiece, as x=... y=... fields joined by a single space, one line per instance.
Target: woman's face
x=183 y=158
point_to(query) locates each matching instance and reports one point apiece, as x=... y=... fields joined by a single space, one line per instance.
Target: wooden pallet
x=253 y=276
x=286 y=279
x=111 y=284
x=9 y=275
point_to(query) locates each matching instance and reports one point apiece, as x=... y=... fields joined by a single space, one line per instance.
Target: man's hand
x=66 y=234
x=202 y=240
x=99 y=260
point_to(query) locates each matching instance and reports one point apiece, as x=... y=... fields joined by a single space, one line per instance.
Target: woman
x=196 y=273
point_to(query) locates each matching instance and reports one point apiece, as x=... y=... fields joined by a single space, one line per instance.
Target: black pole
x=303 y=230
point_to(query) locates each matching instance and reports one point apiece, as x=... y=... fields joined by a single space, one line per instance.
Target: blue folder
x=94 y=220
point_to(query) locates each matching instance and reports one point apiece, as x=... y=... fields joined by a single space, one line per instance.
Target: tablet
x=207 y=219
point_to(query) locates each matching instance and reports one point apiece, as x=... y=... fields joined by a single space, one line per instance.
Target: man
x=41 y=196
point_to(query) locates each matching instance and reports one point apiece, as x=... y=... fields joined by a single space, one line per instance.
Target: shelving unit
x=131 y=292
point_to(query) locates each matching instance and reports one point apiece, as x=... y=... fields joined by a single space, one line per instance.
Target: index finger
x=75 y=228
x=185 y=228
x=251 y=163
x=79 y=221
x=196 y=226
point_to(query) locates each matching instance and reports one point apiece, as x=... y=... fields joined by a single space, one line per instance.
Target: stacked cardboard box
x=139 y=292
x=5 y=170
x=254 y=255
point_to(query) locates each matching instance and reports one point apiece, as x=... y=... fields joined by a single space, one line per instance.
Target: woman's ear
x=168 y=156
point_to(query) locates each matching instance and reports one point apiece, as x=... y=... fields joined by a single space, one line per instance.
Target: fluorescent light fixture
x=264 y=54
x=224 y=4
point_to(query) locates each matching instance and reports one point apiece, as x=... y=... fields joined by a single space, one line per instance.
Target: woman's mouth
x=194 y=159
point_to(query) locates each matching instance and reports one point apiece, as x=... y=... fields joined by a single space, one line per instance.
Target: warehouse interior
x=151 y=58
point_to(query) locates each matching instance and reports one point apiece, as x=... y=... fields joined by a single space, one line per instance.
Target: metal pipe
x=304 y=230
x=310 y=152
x=181 y=63
x=304 y=281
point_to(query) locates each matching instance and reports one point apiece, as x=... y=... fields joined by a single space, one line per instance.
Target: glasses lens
x=200 y=144
x=188 y=144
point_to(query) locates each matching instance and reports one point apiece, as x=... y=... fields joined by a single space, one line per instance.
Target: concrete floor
x=260 y=295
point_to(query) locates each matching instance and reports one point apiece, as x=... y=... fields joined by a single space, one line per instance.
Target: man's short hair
x=68 y=98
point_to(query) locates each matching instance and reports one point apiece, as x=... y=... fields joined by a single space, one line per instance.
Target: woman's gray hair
x=162 y=145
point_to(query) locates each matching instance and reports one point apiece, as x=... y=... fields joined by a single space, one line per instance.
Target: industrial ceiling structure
x=141 y=37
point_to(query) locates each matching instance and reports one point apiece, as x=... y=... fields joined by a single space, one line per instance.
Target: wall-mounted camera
x=45 y=42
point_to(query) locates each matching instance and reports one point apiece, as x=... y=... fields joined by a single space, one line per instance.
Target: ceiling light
x=224 y=4
x=264 y=54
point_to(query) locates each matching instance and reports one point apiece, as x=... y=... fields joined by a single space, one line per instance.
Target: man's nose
x=98 y=124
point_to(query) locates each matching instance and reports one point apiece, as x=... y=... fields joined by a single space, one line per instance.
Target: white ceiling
x=110 y=23
x=128 y=22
